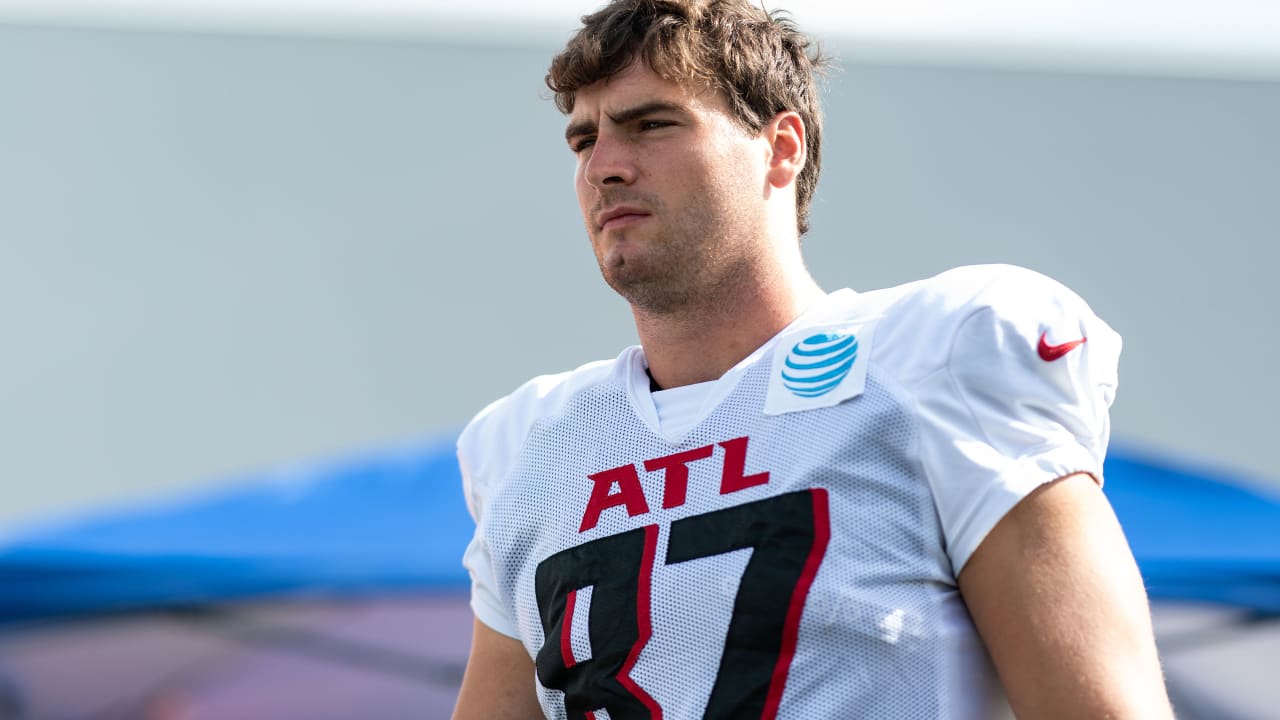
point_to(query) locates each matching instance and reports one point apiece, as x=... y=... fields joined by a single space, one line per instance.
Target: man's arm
x=498 y=683
x=1057 y=598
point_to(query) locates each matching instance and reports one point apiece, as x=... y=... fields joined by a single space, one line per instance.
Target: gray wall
x=220 y=253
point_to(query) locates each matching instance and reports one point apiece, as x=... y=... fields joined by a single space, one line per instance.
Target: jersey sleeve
x=485 y=599
x=1022 y=399
x=488 y=450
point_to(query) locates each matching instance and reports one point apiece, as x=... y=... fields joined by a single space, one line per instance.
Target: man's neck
x=703 y=342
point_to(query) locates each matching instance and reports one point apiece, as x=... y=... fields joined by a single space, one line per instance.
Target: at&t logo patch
x=819 y=363
x=819 y=366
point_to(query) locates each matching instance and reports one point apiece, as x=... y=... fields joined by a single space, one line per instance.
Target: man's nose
x=612 y=162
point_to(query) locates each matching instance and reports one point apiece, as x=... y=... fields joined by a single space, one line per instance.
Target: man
x=786 y=503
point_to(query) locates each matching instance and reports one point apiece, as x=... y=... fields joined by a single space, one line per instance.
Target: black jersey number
x=789 y=535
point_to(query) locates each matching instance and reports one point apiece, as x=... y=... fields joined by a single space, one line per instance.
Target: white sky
x=1196 y=36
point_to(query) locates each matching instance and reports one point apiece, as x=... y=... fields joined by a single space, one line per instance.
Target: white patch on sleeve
x=819 y=366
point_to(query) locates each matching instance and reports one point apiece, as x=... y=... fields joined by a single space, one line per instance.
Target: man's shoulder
x=968 y=289
x=509 y=418
x=921 y=324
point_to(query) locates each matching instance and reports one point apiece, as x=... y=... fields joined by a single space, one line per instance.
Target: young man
x=787 y=503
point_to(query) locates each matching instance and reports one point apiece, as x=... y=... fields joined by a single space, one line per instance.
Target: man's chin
x=655 y=294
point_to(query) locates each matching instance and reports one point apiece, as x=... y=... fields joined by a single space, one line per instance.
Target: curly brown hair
x=759 y=60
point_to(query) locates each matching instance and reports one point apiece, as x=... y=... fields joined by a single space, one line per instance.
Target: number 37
x=789 y=536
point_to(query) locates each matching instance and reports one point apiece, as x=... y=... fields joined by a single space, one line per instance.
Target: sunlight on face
x=670 y=187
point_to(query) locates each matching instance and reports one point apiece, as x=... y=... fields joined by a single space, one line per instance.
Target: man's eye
x=654 y=124
x=578 y=146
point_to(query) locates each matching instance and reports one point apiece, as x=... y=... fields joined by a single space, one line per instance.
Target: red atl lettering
x=734 y=478
x=675 y=489
x=629 y=495
x=676 y=466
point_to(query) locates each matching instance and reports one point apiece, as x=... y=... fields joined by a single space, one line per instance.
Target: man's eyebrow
x=587 y=127
x=579 y=128
x=639 y=111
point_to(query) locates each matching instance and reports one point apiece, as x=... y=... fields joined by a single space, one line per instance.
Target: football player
x=786 y=502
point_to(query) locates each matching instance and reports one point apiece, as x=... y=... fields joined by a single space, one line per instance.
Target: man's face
x=671 y=188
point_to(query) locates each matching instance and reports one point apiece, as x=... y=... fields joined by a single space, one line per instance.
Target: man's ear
x=787 y=144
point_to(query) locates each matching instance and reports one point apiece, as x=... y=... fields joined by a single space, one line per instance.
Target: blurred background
x=282 y=244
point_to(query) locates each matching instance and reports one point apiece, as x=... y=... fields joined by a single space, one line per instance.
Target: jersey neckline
x=634 y=367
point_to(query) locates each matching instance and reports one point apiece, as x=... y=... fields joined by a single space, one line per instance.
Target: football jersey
x=792 y=551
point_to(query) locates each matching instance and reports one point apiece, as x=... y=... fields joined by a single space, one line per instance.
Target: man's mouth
x=623 y=220
x=620 y=216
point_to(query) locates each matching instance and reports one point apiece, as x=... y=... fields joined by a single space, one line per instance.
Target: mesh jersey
x=794 y=554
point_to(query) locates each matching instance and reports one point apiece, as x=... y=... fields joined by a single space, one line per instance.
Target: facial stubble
x=688 y=263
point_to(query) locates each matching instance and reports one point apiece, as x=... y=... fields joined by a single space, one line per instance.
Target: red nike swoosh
x=1049 y=353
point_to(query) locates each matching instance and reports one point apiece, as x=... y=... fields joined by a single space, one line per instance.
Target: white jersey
x=792 y=551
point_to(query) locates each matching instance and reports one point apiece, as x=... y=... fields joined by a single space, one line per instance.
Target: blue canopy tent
x=321 y=591
x=393 y=525
x=1199 y=535
x=390 y=522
